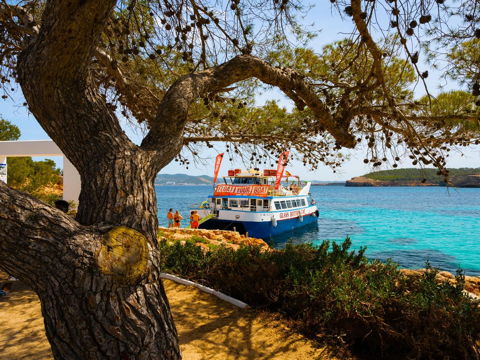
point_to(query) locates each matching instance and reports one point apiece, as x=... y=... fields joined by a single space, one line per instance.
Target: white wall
x=71 y=177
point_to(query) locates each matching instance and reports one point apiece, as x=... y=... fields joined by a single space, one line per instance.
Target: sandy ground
x=209 y=328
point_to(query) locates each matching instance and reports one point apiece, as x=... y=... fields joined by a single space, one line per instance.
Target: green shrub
x=329 y=289
x=198 y=239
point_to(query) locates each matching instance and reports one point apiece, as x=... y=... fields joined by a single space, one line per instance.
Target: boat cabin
x=255 y=191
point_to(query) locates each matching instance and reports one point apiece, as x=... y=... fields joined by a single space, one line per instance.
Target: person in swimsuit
x=177 y=218
x=195 y=220
x=170 y=218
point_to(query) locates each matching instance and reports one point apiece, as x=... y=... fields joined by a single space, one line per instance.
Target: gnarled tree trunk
x=99 y=285
x=98 y=278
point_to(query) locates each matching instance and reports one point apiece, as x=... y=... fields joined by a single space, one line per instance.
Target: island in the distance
x=183 y=179
x=463 y=177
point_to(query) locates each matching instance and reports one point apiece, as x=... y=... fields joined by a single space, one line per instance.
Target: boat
x=260 y=204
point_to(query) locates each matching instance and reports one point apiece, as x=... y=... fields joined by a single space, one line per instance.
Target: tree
x=41 y=179
x=181 y=68
x=8 y=131
x=27 y=175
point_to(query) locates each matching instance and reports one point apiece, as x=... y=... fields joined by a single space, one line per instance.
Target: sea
x=410 y=225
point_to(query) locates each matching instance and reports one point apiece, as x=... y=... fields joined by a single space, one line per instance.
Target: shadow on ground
x=209 y=329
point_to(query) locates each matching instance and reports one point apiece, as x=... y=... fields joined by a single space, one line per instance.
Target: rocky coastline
x=207 y=238
x=471 y=285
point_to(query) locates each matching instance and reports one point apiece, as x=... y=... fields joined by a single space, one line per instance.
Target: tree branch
x=173 y=110
x=238 y=138
x=38 y=240
x=30 y=234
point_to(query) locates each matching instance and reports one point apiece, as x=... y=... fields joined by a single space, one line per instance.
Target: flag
x=282 y=161
x=218 y=162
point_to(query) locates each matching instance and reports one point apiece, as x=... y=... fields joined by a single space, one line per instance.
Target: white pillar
x=3 y=168
x=71 y=181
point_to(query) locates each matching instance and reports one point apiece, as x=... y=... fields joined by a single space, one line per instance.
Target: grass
x=332 y=290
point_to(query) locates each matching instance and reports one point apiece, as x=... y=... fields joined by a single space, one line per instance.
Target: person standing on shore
x=191 y=218
x=195 y=218
x=170 y=218
x=177 y=218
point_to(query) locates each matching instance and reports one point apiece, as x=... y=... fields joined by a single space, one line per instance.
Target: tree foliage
x=8 y=131
x=42 y=179
x=364 y=83
x=466 y=59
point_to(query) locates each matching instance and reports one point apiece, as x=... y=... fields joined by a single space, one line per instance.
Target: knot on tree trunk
x=123 y=254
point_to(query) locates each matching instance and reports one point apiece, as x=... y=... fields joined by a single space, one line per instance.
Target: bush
x=328 y=289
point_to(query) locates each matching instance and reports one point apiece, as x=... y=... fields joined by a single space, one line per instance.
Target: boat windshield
x=246 y=181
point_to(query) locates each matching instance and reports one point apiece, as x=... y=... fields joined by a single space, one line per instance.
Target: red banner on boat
x=282 y=161
x=218 y=162
x=247 y=190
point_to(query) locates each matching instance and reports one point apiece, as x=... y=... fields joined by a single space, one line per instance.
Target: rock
x=470 y=181
x=362 y=181
x=226 y=238
x=472 y=283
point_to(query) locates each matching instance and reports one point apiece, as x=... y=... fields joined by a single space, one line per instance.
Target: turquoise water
x=411 y=225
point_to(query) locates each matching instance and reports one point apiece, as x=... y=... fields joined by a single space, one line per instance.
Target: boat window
x=259 y=202
x=297 y=203
x=284 y=205
x=303 y=202
x=244 y=203
x=265 y=204
x=219 y=201
x=246 y=181
x=224 y=203
x=277 y=205
x=289 y=203
x=233 y=203
x=294 y=203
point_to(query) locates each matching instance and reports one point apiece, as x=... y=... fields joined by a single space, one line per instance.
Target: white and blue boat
x=249 y=202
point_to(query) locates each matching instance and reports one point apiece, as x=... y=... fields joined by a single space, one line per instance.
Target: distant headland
x=183 y=179
x=463 y=177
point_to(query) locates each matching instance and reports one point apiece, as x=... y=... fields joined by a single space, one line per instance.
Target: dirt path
x=208 y=328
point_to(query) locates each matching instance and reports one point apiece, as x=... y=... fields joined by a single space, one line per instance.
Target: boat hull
x=260 y=229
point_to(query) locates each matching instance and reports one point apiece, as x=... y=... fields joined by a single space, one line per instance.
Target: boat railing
x=284 y=191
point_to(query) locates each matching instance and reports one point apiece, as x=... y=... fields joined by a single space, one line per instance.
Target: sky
x=330 y=27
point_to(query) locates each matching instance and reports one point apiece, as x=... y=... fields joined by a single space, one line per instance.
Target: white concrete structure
x=71 y=177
